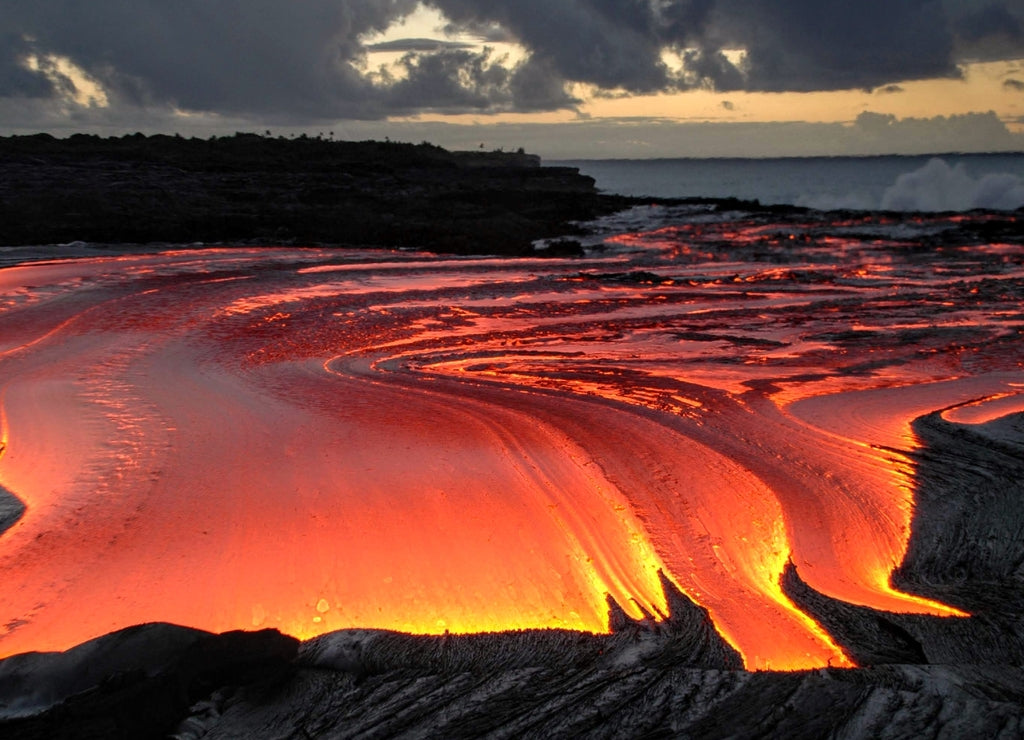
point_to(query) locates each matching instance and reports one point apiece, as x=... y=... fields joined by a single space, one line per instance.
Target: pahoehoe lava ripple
x=314 y=439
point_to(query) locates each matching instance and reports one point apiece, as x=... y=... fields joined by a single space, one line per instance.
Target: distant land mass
x=256 y=189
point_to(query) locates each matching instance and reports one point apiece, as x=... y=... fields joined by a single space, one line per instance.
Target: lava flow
x=312 y=439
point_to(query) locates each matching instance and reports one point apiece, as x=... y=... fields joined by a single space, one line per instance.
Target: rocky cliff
x=254 y=189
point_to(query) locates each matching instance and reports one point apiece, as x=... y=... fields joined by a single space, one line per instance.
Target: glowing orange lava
x=311 y=440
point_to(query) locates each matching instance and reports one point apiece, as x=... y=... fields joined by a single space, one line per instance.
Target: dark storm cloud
x=447 y=82
x=986 y=31
x=609 y=43
x=456 y=81
x=709 y=68
x=15 y=79
x=993 y=19
x=791 y=45
x=289 y=61
x=275 y=60
x=536 y=86
x=804 y=45
x=230 y=56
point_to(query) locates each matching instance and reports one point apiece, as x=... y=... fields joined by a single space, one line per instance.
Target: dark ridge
x=155 y=680
x=636 y=277
x=135 y=683
x=253 y=189
x=966 y=549
x=867 y=636
x=695 y=641
x=11 y=507
x=141 y=682
x=873 y=637
x=618 y=619
x=685 y=636
x=966 y=546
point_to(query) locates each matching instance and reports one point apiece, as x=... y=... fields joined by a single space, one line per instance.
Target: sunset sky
x=563 y=78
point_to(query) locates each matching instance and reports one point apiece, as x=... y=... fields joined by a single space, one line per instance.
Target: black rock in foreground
x=674 y=676
x=254 y=189
x=144 y=681
x=152 y=681
x=135 y=683
x=11 y=507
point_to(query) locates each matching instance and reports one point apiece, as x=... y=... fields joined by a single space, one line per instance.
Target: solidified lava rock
x=135 y=683
x=146 y=681
x=254 y=189
x=965 y=550
x=11 y=507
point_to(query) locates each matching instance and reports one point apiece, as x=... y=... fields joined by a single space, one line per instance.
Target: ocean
x=956 y=182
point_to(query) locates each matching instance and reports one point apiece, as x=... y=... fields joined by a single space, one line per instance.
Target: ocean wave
x=936 y=186
x=939 y=187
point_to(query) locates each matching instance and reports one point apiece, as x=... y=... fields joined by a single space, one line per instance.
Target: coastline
x=253 y=190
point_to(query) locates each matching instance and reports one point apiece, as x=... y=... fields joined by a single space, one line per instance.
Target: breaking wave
x=939 y=187
x=955 y=183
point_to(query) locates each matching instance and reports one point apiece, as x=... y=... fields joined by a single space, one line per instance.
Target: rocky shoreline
x=251 y=189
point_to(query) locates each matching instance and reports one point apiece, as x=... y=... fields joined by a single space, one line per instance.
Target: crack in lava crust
x=312 y=439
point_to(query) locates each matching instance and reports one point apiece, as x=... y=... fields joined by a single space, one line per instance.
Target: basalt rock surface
x=670 y=677
x=11 y=507
x=255 y=189
x=135 y=683
x=966 y=549
x=633 y=700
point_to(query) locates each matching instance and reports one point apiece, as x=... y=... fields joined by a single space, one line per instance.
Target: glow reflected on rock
x=987 y=409
x=313 y=440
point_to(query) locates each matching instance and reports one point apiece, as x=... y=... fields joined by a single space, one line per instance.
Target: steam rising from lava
x=312 y=439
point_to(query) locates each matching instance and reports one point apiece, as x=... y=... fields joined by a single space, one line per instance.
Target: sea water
x=920 y=183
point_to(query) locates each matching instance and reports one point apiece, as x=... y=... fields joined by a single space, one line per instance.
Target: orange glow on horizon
x=979 y=90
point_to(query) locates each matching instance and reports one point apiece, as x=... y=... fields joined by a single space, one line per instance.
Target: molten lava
x=315 y=439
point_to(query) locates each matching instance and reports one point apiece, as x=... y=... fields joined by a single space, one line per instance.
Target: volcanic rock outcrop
x=250 y=188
